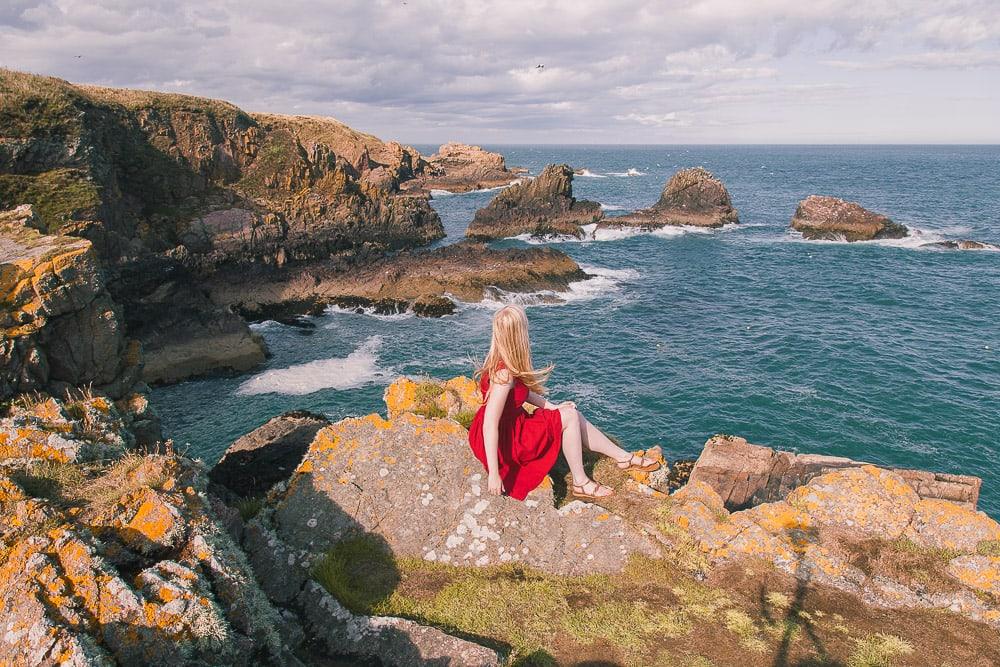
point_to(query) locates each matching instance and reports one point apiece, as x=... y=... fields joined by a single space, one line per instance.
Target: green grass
x=49 y=480
x=465 y=417
x=989 y=548
x=360 y=572
x=878 y=650
x=741 y=625
x=58 y=196
x=249 y=507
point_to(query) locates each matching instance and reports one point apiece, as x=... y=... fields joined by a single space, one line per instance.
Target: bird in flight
x=539 y=66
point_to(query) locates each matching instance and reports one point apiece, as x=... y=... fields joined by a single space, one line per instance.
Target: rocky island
x=691 y=197
x=460 y=167
x=542 y=206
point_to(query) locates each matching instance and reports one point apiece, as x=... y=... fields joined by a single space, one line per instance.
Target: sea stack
x=460 y=167
x=691 y=197
x=544 y=205
x=828 y=218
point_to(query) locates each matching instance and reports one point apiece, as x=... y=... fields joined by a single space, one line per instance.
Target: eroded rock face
x=134 y=571
x=59 y=327
x=460 y=167
x=414 y=482
x=267 y=455
x=744 y=474
x=541 y=206
x=415 y=279
x=828 y=218
x=691 y=197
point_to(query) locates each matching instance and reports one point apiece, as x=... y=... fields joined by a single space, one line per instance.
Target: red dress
x=528 y=444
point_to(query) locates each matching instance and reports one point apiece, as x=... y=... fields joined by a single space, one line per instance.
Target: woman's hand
x=493 y=484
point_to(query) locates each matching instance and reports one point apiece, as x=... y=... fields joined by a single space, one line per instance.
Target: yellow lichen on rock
x=979 y=572
x=432 y=398
x=941 y=524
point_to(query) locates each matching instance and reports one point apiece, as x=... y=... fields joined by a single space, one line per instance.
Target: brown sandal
x=580 y=491
x=631 y=465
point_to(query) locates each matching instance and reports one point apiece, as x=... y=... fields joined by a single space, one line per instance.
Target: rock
x=940 y=524
x=267 y=455
x=544 y=205
x=414 y=482
x=431 y=398
x=981 y=573
x=59 y=325
x=691 y=197
x=391 y=641
x=745 y=474
x=828 y=218
x=460 y=168
x=961 y=245
x=465 y=271
x=866 y=500
x=50 y=429
x=71 y=586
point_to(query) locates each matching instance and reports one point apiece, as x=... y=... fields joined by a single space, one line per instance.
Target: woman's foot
x=591 y=490
x=638 y=463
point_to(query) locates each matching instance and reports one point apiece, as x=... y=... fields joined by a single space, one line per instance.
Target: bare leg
x=572 y=444
x=596 y=441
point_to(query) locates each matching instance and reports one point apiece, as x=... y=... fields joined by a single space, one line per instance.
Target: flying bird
x=539 y=66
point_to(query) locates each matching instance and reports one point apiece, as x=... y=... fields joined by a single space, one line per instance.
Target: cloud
x=423 y=68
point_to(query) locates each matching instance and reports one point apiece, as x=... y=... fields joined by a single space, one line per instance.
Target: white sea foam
x=667 y=231
x=600 y=282
x=632 y=171
x=612 y=207
x=449 y=193
x=586 y=173
x=919 y=239
x=358 y=368
x=368 y=311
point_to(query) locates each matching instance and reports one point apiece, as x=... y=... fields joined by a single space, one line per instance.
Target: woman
x=519 y=449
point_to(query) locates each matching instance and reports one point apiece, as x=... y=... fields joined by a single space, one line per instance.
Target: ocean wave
x=612 y=207
x=919 y=239
x=601 y=282
x=358 y=368
x=586 y=173
x=368 y=311
x=448 y=193
x=667 y=231
x=630 y=172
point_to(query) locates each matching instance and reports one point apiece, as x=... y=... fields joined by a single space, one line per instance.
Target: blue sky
x=631 y=71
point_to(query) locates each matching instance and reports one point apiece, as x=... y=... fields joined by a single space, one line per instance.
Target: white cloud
x=408 y=70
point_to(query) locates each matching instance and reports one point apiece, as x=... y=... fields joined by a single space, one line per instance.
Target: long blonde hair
x=510 y=348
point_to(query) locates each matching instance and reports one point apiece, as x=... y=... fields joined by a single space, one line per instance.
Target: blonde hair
x=510 y=348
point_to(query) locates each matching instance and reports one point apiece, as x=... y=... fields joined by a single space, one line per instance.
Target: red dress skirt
x=528 y=444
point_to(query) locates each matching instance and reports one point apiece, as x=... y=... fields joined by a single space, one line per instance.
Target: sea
x=882 y=351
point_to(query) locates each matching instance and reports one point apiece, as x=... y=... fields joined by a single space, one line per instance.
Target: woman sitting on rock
x=519 y=449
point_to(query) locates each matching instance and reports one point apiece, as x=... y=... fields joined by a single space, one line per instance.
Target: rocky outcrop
x=59 y=326
x=417 y=280
x=828 y=218
x=200 y=185
x=818 y=535
x=457 y=398
x=123 y=562
x=691 y=197
x=267 y=455
x=460 y=168
x=744 y=474
x=413 y=482
x=544 y=205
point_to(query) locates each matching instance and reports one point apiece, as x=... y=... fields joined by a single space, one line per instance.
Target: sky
x=628 y=71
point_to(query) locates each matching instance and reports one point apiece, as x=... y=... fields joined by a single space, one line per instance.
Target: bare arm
x=542 y=402
x=499 y=388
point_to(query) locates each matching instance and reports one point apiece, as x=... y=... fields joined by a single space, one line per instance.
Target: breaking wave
x=358 y=368
x=600 y=282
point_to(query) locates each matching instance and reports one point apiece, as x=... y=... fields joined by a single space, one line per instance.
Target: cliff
x=541 y=206
x=460 y=168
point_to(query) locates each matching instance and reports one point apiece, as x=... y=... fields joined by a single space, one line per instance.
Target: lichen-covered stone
x=414 y=482
x=978 y=572
x=941 y=524
x=450 y=398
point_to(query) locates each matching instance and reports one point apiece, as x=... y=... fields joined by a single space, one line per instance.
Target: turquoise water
x=877 y=351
